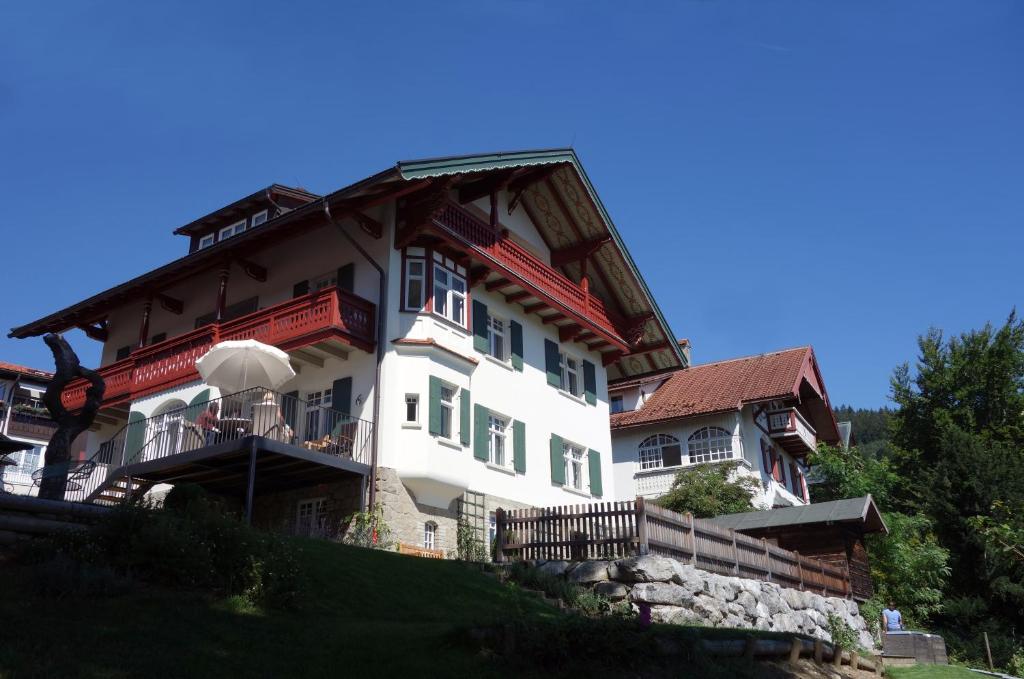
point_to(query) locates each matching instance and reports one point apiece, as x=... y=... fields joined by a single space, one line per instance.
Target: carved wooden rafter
x=420 y=208
x=577 y=252
x=96 y=331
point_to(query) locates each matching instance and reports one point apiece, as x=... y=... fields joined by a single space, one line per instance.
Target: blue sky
x=834 y=173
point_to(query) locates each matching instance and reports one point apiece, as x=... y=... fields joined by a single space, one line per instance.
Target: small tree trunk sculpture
x=69 y=425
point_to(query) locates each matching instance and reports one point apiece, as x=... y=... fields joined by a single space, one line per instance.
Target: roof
x=234 y=210
x=855 y=511
x=719 y=387
x=15 y=369
x=559 y=198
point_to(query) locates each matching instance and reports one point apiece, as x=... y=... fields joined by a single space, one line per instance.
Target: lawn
x=363 y=613
x=932 y=672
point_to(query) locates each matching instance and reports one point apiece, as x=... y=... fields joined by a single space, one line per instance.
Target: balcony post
x=144 y=326
x=222 y=291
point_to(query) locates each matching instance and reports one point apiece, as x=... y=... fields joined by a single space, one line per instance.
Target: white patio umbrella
x=237 y=365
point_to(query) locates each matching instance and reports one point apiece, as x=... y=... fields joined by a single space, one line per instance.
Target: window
x=449 y=290
x=233 y=230
x=323 y=281
x=415 y=283
x=430 y=535
x=617 y=404
x=709 y=445
x=259 y=218
x=660 y=450
x=497 y=345
x=571 y=381
x=574 y=455
x=412 y=408
x=447 y=410
x=158 y=338
x=122 y=353
x=27 y=461
x=317 y=422
x=497 y=428
x=311 y=517
x=492 y=527
x=206 y=241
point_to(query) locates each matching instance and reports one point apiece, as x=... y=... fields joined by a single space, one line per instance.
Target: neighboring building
x=23 y=417
x=765 y=412
x=830 y=531
x=486 y=300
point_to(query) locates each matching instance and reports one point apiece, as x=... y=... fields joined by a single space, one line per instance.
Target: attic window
x=258 y=218
x=233 y=230
x=617 y=404
x=206 y=241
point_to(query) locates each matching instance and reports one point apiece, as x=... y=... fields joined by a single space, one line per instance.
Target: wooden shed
x=831 y=531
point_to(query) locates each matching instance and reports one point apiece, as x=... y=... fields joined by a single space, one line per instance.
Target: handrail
x=164 y=364
x=256 y=411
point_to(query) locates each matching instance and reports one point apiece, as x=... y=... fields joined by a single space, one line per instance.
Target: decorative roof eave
x=674 y=418
x=663 y=343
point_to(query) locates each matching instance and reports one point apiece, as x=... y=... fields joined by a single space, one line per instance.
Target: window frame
x=212 y=238
x=262 y=213
x=447 y=411
x=430 y=529
x=498 y=427
x=408 y=277
x=616 y=399
x=231 y=230
x=505 y=353
x=577 y=373
x=571 y=460
x=414 y=401
x=652 y=450
x=710 y=453
x=446 y=265
x=318 y=517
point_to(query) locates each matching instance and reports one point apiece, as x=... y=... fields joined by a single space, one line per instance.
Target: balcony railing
x=291 y=324
x=523 y=266
x=656 y=481
x=793 y=432
x=254 y=412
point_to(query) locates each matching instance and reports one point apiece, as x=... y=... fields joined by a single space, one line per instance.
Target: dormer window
x=617 y=404
x=233 y=230
x=206 y=241
x=258 y=218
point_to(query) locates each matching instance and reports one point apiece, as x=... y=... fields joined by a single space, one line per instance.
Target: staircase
x=118 y=490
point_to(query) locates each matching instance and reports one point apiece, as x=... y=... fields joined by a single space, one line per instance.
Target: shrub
x=469 y=546
x=368 y=529
x=842 y=634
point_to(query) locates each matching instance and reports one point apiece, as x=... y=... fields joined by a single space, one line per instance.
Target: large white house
x=453 y=322
x=23 y=418
x=765 y=412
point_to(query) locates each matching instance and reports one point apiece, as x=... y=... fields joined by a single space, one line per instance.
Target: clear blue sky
x=843 y=174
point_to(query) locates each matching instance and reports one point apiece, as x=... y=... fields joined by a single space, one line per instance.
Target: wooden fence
x=612 y=530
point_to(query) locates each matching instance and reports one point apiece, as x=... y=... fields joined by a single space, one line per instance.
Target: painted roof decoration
x=727 y=386
x=553 y=189
x=858 y=511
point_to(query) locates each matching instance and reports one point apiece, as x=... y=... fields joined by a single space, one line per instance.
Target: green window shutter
x=551 y=363
x=197 y=405
x=341 y=395
x=434 y=409
x=464 y=416
x=481 y=439
x=590 y=382
x=134 y=436
x=557 y=460
x=517 y=345
x=480 y=342
x=347 y=277
x=519 y=446
x=594 y=458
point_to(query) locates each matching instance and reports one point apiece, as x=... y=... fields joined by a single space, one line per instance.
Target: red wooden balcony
x=518 y=264
x=328 y=314
x=794 y=433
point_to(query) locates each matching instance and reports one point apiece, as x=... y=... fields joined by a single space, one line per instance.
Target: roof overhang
x=861 y=514
x=241 y=208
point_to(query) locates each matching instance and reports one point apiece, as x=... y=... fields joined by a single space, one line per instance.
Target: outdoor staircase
x=118 y=490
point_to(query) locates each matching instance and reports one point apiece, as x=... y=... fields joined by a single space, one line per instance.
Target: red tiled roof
x=719 y=387
x=23 y=370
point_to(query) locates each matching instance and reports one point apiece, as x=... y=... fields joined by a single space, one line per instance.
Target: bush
x=194 y=546
x=368 y=529
x=470 y=547
x=842 y=634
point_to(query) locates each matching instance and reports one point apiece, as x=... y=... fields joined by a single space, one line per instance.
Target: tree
x=710 y=490
x=850 y=473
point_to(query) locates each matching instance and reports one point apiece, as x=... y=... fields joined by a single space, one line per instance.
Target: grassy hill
x=362 y=613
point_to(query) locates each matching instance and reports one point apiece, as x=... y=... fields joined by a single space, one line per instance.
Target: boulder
x=556 y=568
x=734 y=621
x=613 y=591
x=689 y=577
x=724 y=588
x=785 y=622
x=647 y=568
x=773 y=601
x=707 y=610
x=666 y=614
x=664 y=593
x=796 y=599
x=748 y=604
x=588 y=572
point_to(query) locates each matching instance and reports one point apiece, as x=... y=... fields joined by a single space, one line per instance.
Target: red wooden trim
x=517 y=296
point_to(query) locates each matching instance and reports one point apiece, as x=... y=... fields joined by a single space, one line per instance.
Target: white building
x=23 y=417
x=764 y=412
x=454 y=324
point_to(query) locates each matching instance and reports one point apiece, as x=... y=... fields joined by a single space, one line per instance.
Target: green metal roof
x=857 y=510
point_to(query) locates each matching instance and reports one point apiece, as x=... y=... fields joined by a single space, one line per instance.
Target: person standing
x=892 y=619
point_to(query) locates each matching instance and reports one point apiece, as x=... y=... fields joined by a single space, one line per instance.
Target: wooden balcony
x=330 y=315
x=525 y=270
x=795 y=434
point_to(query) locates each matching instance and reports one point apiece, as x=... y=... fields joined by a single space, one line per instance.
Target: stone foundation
x=278 y=512
x=679 y=593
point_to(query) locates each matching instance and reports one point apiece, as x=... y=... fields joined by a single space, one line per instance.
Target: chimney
x=684 y=345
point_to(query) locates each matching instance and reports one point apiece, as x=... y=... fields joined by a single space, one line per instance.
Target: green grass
x=362 y=614
x=932 y=672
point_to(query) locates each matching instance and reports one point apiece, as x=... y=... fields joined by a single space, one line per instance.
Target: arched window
x=660 y=450
x=429 y=535
x=710 y=444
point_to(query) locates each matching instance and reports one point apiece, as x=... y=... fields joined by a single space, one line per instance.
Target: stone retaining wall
x=680 y=594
